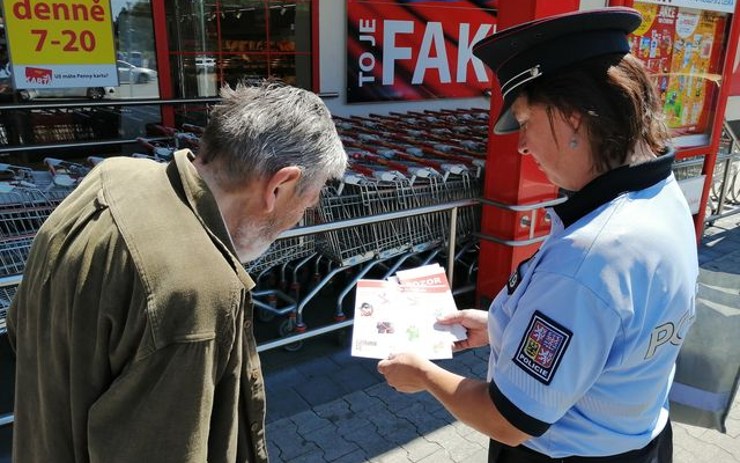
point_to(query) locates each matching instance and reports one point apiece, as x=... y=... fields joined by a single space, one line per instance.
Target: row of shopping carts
x=398 y=162
x=27 y=197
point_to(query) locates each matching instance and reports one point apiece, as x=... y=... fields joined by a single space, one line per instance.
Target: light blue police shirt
x=585 y=335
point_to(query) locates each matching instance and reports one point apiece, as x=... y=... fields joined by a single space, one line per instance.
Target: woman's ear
x=575 y=120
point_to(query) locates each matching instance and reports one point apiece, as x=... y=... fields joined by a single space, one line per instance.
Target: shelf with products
x=235 y=46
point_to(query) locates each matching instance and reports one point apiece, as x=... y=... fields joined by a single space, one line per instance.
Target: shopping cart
x=22 y=212
x=66 y=174
x=461 y=174
x=155 y=150
x=15 y=176
x=13 y=254
x=6 y=297
x=286 y=257
x=388 y=244
x=410 y=131
x=398 y=163
x=188 y=137
x=287 y=250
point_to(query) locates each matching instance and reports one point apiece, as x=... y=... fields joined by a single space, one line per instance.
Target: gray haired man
x=132 y=327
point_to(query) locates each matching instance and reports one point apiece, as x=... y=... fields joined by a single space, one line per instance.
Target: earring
x=573 y=143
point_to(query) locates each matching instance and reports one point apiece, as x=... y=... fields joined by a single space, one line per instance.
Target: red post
x=718 y=119
x=162 y=44
x=512 y=179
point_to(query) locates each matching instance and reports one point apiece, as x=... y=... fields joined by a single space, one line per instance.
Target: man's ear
x=282 y=182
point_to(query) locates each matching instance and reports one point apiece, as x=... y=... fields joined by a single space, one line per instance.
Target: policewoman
x=585 y=335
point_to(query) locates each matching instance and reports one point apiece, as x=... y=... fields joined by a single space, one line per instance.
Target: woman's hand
x=475 y=323
x=405 y=372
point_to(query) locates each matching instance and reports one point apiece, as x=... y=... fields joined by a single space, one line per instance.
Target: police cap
x=543 y=47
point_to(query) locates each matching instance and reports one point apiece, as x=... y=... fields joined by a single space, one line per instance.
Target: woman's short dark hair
x=617 y=102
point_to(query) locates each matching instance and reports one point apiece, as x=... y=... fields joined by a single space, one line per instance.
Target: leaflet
x=400 y=315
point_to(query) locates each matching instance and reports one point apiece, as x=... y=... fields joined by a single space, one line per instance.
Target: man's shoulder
x=171 y=248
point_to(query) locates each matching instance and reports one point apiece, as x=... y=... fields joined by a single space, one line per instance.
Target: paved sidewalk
x=325 y=406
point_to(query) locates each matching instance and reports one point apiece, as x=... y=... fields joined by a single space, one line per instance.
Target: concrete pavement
x=325 y=406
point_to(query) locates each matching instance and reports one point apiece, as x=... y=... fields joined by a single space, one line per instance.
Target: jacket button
x=248 y=324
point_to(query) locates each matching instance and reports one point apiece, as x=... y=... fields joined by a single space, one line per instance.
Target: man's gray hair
x=257 y=130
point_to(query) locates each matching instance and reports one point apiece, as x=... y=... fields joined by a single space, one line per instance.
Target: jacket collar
x=608 y=186
x=195 y=192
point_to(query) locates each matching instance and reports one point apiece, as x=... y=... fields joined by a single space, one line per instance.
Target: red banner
x=416 y=49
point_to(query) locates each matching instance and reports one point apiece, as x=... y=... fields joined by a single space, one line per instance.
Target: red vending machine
x=689 y=47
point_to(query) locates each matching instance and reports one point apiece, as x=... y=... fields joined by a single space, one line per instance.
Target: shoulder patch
x=542 y=347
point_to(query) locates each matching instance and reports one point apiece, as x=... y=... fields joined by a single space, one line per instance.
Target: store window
x=224 y=42
x=136 y=58
x=45 y=116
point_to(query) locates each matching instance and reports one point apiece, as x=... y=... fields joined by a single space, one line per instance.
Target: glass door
x=214 y=43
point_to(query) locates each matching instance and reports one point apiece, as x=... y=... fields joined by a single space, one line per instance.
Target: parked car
x=128 y=73
x=93 y=93
x=133 y=57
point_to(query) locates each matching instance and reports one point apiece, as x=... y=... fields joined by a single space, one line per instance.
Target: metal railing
x=452 y=206
x=527 y=221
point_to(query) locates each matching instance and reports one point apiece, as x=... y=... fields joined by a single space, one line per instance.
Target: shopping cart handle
x=145 y=143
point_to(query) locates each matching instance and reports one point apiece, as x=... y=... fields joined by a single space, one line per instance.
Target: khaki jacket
x=132 y=327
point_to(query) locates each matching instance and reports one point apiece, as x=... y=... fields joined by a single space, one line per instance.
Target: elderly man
x=133 y=325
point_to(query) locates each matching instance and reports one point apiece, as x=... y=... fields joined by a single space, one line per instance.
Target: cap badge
x=520 y=79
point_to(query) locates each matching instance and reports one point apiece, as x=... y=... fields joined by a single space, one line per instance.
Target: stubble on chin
x=252 y=240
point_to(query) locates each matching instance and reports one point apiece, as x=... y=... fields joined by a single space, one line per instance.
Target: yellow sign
x=61 y=38
x=649 y=13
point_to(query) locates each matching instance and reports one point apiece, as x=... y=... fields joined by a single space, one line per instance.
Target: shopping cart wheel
x=285 y=329
x=265 y=315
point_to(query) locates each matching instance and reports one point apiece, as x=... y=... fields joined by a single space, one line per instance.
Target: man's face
x=253 y=237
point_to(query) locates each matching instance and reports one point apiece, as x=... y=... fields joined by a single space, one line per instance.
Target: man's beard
x=252 y=240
